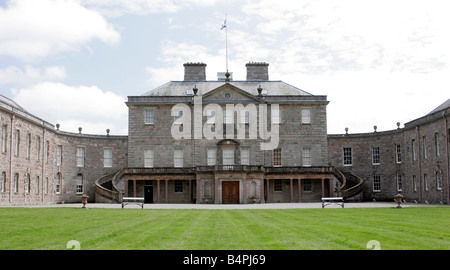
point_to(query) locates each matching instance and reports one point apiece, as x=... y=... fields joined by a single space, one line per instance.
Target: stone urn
x=398 y=199
x=84 y=199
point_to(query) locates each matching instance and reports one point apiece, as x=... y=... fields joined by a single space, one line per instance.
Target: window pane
x=148 y=158
x=211 y=157
x=228 y=156
x=277 y=157
x=306 y=116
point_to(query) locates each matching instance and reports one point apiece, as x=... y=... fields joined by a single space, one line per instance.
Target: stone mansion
x=222 y=142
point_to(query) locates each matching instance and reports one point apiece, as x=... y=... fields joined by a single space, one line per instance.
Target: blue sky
x=74 y=62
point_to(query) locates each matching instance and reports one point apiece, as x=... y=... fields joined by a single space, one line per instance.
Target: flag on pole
x=224 y=25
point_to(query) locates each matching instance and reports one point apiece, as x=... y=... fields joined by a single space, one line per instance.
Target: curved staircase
x=350 y=189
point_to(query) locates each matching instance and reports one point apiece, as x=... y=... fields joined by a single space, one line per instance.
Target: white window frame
x=228 y=156
x=178 y=159
x=149 y=158
x=149 y=116
x=228 y=117
x=245 y=115
x=80 y=156
x=376 y=177
x=347 y=156
x=306 y=157
x=79 y=185
x=306 y=116
x=3 y=182
x=211 y=154
x=376 y=155
x=398 y=153
x=59 y=159
x=245 y=156
x=108 y=157
x=276 y=116
x=4 y=138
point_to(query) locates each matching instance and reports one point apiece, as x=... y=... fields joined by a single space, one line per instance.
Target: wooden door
x=230 y=192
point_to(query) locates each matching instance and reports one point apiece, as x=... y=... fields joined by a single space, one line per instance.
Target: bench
x=333 y=200
x=136 y=200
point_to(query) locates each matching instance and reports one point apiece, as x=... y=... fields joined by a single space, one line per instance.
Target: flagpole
x=226 y=41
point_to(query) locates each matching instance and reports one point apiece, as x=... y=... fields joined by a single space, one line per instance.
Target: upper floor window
x=211 y=156
x=228 y=156
x=276 y=116
x=107 y=157
x=4 y=138
x=59 y=155
x=149 y=158
x=28 y=145
x=436 y=144
x=376 y=155
x=245 y=156
x=306 y=116
x=306 y=157
x=398 y=153
x=277 y=157
x=17 y=142
x=347 y=156
x=178 y=158
x=80 y=157
x=413 y=149
x=149 y=117
x=424 y=142
x=228 y=117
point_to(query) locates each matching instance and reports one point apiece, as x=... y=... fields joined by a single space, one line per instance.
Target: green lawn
x=291 y=229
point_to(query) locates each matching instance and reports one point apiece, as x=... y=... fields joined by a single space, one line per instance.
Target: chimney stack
x=194 y=72
x=257 y=71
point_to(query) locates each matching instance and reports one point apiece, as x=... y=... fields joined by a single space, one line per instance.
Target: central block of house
x=226 y=141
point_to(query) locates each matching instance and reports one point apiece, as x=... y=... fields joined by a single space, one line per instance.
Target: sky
x=75 y=62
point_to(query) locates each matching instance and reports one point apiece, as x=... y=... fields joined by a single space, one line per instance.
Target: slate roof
x=270 y=88
x=443 y=106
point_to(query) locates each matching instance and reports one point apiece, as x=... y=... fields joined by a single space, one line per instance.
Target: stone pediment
x=228 y=93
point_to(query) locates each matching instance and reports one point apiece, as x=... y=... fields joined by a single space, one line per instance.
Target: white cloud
x=117 y=8
x=88 y=107
x=31 y=30
x=17 y=77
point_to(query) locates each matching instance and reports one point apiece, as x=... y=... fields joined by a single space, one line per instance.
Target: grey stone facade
x=39 y=164
x=420 y=175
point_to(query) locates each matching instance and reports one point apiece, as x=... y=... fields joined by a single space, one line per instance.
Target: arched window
x=79 y=184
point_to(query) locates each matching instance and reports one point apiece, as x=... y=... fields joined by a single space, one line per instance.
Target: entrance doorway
x=230 y=192
x=148 y=194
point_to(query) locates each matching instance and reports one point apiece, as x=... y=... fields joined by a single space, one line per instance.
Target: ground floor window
x=278 y=185
x=79 y=184
x=307 y=185
x=376 y=182
x=178 y=186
